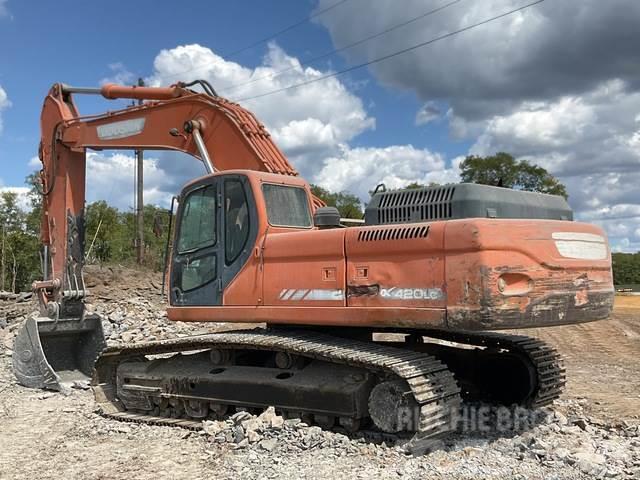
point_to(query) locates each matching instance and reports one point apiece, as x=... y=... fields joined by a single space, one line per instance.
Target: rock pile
x=14 y=307
x=564 y=442
x=270 y=432
x=571 y=443
x=129 y=302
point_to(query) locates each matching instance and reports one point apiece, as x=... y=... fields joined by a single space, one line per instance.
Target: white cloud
x=312 y=125
x=308 y=123
x=549 y=84
x=110 y=178
x=4 y=100
x=543 y=124
x=427 y=113
x=21 y=193
x=300 y=136
x=120 y=75
x=359 y=170
x=590 y=141
x=35 y=163
x=4 y=11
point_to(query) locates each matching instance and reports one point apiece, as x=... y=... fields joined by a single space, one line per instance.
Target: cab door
x=217 y=230
x=195 y=268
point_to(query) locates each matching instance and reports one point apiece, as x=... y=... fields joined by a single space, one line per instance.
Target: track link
x=432 y=385
x=545 y=360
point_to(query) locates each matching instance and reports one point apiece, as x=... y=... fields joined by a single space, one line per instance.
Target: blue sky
x=557 y=84
x=87 y=37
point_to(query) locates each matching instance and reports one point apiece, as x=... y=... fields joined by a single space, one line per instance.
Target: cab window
x=287 y=206
x=198 y=223
x=236 y=219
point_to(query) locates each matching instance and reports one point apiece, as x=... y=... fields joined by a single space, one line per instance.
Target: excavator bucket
x=55 y=354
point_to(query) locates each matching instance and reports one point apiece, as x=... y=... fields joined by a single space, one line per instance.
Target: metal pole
x=140 y=199
x=45 y=265
x=202 y=149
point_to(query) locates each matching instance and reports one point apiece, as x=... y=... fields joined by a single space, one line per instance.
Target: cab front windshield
x=198 y=223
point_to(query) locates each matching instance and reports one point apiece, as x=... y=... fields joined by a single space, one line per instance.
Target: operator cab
x=219 y=220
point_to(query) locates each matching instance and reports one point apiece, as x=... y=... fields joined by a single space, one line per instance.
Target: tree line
x=110 y=233
x=626 y=268
x=109 y=237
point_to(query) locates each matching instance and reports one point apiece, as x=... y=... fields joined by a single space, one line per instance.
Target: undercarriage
x=352 y=382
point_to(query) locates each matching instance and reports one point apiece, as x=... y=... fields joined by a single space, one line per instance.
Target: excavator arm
x=60 y=346
x=220 y=133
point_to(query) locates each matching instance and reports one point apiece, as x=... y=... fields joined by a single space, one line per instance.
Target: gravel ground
x=592 y=432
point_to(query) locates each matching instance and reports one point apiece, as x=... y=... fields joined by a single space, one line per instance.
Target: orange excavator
x=385 y=326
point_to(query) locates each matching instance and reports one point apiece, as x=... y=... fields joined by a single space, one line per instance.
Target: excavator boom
x=220 y=133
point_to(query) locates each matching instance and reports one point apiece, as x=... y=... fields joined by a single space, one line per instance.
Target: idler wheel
x=285 y=360
x=220 y=356
x=393 y=408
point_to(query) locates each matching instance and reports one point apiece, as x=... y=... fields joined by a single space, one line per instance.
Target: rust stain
x=581 y=298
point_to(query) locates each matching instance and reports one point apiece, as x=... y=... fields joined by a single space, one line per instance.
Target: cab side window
x=236 y=213
x=287 y=206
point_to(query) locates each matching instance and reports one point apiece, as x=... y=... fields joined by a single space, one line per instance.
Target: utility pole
x=139 y=242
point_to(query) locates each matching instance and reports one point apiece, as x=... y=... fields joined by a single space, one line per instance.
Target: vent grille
x=416 y=205
x=393 y=233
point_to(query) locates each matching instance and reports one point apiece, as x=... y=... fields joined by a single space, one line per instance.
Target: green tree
x=102 y=231
x=109 y=236
x=417 y=185
x=626 y=268
x=34 y=216
x=503 y=170
x=11 y=216
x=112 y=231
x=347 y=204
x=19 y=248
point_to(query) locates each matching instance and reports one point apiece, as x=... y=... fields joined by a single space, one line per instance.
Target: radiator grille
x=393 y=233
x=416 y=205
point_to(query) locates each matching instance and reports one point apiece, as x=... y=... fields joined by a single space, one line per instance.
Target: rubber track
x=432 y=384
x=546 y=360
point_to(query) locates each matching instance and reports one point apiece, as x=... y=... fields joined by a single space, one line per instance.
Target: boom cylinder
x=113 y=91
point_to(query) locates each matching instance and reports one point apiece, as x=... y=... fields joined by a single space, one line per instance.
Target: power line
x=391 y=55
x=267 y=38
x=346 y=47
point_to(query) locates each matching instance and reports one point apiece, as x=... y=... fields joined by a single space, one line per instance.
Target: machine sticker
x=585 y=237
x=582 y=246
x=396 y=293
x=293 y=294
x=126 y=128
x=391 y=293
